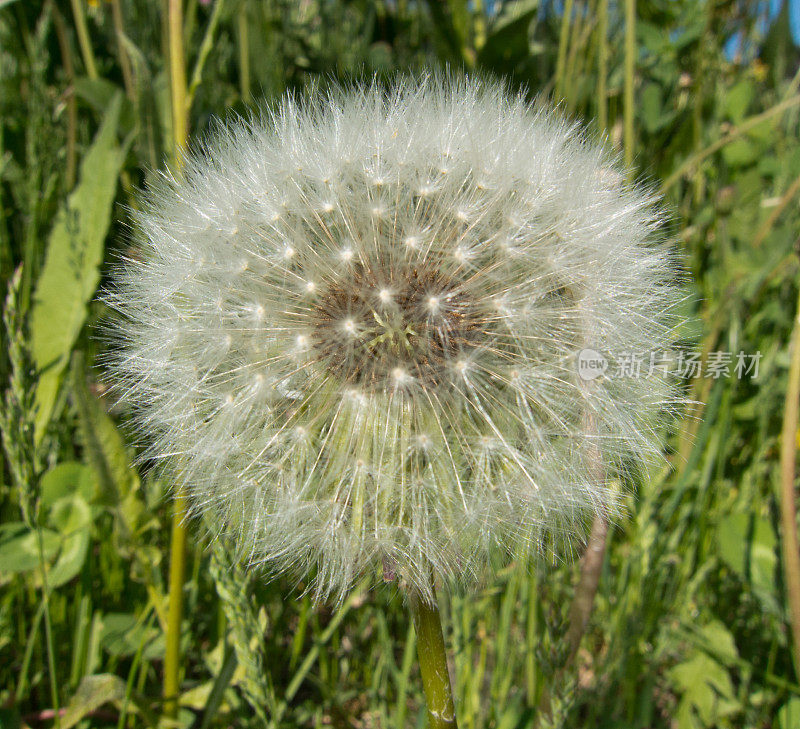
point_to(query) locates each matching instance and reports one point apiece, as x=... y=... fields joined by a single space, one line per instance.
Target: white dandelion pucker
x=351 y=331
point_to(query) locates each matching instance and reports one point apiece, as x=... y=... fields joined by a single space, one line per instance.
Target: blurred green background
x=690 y=626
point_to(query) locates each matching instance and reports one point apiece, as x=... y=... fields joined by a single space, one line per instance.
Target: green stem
x=83 y=39
x=205 y=48
x=124 y=60
x=630 y=65
x=433 y=664
x=48 y=629
x=789 y=541
x=244 y=54
x=177 y=566
x=602 y=67
x=177 y=571
x=531 y=634
x=177 y=78
x=563 y=41
x=72 y=108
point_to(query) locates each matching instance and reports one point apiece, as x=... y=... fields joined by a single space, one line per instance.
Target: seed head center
x=373 y=324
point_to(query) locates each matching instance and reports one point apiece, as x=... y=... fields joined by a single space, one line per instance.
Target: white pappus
x=351 y=326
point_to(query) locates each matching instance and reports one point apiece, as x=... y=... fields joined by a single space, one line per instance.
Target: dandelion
x=351 y=335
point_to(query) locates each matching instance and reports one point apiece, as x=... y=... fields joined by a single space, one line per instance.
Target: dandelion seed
x=437 y=398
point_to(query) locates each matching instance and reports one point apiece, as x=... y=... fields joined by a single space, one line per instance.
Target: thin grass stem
x=630 y=68
x=83 y=39
x=563 y=42
x=244 y=54
x=602 y=66
x=69 y=95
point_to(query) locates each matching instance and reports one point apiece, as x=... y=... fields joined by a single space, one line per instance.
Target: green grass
x=690 y=625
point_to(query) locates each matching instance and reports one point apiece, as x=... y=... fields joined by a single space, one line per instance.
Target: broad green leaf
x=66 y=479
x=123 y=635
x=721 y=640
x=740 y=152
x=19 y=550
x=72 y=517
x=99 y=94
x=93 y=692
x=71 y=269
x=747 y=544
x=707 y=692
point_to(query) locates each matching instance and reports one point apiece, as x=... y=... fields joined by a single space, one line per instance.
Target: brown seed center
x=405 y=324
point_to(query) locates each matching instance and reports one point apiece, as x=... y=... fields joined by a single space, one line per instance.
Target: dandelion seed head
x=350 y=334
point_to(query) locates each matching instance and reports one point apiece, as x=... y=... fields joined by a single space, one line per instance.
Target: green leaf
x=508 y=44
x=789 y=714
x=104 y=445
x=99 y=93
x=707 y=692
x=738 y=100
x=65 y=479
x=93 y=692
x=108 y=454
x=651 y=107
x=747 y=544
x=71 y=269
x=72 y=517
x=123 y=634
x=740 y=152
x=19 y=549
x=64 y=546
x=720 y=639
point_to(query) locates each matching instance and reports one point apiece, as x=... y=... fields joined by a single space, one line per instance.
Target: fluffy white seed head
x=351 y=331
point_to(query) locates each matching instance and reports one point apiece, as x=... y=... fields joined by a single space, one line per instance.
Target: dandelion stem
x=433 y=665
x=586 y=589
x=177 y=571
x=791 y=549
x=177 y=566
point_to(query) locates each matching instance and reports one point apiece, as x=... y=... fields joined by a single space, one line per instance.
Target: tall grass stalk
x=244 y=54
x=630 y=67
x=72 y=110
x=177 y=565
x=602 y=66
x=790 y=543
x=83 y=39
x=205 y=48
x=124 y=60
x=563 y=42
